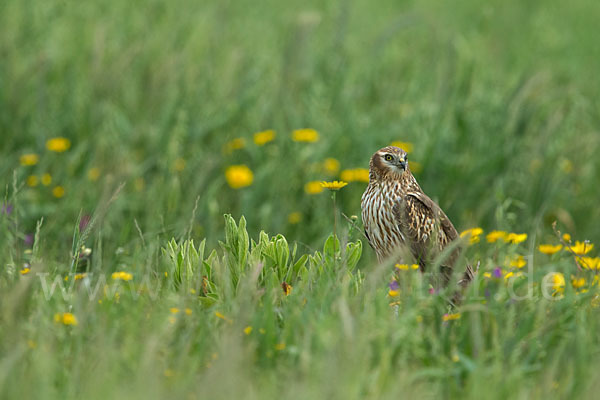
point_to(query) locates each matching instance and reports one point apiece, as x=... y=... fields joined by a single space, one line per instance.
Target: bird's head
x=390 y=162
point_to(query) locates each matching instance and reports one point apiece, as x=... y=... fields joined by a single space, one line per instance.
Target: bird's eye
x=388 y=157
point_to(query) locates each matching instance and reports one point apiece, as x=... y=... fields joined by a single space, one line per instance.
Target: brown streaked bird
x=401 y=220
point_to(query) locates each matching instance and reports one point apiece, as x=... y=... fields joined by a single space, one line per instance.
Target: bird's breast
x=378 y=218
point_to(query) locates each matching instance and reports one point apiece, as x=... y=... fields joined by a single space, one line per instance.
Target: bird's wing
x=418 y=218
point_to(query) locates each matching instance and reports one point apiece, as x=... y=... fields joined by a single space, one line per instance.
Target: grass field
x=130 y=129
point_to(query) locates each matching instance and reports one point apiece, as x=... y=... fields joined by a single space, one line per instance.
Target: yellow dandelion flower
x=294 y=217
x=305 y=135
x=393 y=293
x=174 y=310
x=494 y=236
x=58 y=144
x=29 y=159
x=25 y=271
x=589 y=263
x=472 y=234
x=549 y=249
x=248 y=330
x=65 y=318
x=487 y=275
x=515 y=238
x=188 y=311
x=508 y=275
x=313 y=187
x=566 y=237
x=239 y=176
x=577 y=283
x=355 y=175
x=121 y=276
x=80 y=276
x=518 y=262
x=331 y=166
x=558 y=281
x=335 y=185
x=581 y=248
x=264 y=137
x=451 y=317
x=93 y=174
x=46 y=179
x=58 y=191
x=406 y=146
x=235 y=144
x=32 y=181
x=280 y=346
x=179 y=164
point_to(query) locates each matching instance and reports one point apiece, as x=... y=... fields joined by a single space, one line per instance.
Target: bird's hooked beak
x=402 y=163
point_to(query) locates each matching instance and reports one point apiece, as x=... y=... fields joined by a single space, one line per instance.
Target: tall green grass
x=498 y=99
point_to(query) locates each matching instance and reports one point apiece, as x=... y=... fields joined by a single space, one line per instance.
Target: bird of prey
x=401 y=221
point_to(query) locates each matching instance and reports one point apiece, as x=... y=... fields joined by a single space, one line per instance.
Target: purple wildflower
x=394 y=285
x=7 y=208
x=497 y=272
x=28 y=239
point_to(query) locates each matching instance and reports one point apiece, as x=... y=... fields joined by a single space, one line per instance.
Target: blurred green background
x=499 y=99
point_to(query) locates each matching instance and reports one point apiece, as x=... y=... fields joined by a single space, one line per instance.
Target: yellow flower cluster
x=406 y=267
x=557 y=279
x=355 y=175
x=313 y=187
x=451 y=317
x=515 y=238
x=335 y=185
x=235 y=144
x=305 y=135
x=264 y=137
x=122 y=275
x=494 y=236
x=239 y=176
x=518 y=262
x=65 y=318
x=549 y=249
x=331 y=166
x=592 y=263
x=294 y=217
x=406 y=146
x=29 y=159
x=58 y=144
x=581 y=248
x=58 y=191
x=472 y=234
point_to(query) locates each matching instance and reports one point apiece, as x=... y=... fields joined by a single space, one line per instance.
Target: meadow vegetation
x=164 y=232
